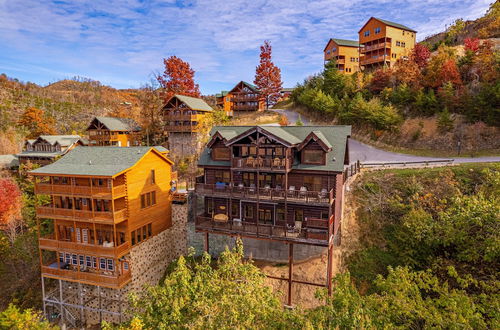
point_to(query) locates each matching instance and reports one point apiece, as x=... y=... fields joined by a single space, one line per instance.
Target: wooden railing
x=182 y=117
x=375 y=47
x=371 y=60
x=112 y=281
x=274 y=194
x=49 y=189
x=50 y=243
x=81 y=215
x=286 y=232
x=268 y=164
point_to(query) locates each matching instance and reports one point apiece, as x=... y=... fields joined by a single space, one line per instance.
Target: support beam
x=329 y=269
x=207 y=246
x=290 y=273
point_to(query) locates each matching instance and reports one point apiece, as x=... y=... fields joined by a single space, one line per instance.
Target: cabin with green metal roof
x=345 y=54
x=243 y=98
x=184 y=114
x=47 y=148
x=281 y=183
x=114 y=131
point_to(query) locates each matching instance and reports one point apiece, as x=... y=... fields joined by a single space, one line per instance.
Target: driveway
x=368 y=154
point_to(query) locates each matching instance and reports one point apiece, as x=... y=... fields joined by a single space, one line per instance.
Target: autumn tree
x=268 y=75
x=150 y=103
x=420 y=55
x=471 y=44
x=381 y=79
x=442 y=68
x=10 y=200
x=37 y=122
x=14 y=318
x=177 y=78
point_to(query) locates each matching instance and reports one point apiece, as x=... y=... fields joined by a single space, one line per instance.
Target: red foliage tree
x=449 y=73
x=268 y=75
x=10 y=201
x=471 y=44
x=178 y=78
x=381 y=79
x=420 y=54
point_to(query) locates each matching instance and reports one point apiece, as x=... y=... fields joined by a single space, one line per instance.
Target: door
x=266 y=214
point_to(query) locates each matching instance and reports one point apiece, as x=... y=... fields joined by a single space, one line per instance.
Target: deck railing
x=69 y=189
x=268 y=164
x=306 y=233
x=50 y=243
x=274 y=194
x=101 y=279
x=81 y=215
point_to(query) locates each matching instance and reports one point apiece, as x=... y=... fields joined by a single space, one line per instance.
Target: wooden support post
x=61 y=304
x=329 y=269
x=207 y=246
x=100 y=303
x=43 y=297
x=290 y=273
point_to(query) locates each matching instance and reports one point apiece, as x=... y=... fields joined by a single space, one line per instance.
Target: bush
x=371 y=112
x=445 y=122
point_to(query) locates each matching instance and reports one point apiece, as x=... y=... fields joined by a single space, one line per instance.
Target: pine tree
x=268 y=75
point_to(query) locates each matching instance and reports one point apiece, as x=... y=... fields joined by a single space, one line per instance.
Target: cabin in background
x=113 y=131
x=47 y=148
x=345 y=54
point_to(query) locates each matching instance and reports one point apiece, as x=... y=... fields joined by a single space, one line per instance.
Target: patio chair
x=322 y=194
x=303 y=191
x=291 y=191
x=276 y=162
x=251 y=189
x=250 y=162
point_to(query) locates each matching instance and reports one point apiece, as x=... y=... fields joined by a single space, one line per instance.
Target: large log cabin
x=278 y=183
x=183 y=114
x=47 y=148
x=101 y=203
x=113 y=131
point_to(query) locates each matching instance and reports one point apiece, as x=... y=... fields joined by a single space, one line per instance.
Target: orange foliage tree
x=381 y=79
x=10 y=201
x=36 y=122
x=268 y=75
x=178 y=78
x=420 y=55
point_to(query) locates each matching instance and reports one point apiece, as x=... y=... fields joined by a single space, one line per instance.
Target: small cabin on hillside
x=113 y=131
x=245 y=97
x=46 y=148
x=183 y=114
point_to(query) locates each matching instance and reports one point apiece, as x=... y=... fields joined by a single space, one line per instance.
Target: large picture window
x=221 y=154
x=313 y=157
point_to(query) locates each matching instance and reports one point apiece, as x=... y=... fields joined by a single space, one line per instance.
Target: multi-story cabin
x=113 y=131
x=382 y=43
x=46 y=148
x=245 y=97
x=109 y=212
x=223 y=101
x=183 y=116
x=276 y=183
x=345 y=53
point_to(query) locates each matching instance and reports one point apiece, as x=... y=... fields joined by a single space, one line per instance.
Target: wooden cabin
x=223 y=101
x=277 y=183
x=113 y=131
x=102 y=203
x=345 y=54
x=382 y=43
x=245 y=97
x=183 y=114
x=47 y=148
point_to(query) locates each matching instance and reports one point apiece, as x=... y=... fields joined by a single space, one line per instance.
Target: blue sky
x=122 y=42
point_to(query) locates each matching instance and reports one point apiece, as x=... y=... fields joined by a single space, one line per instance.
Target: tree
x=445 y=122
x=334 y=82
x=177 y=78
x=200 y=295
x=299 y=122
x=15 y=319
x=283 y=120
x=37 y=122
x=381 y=79
x=442 y=68
x=150 y=102
x=268 y=75
x=471 y=44
x=420 y=55
x=10 y=201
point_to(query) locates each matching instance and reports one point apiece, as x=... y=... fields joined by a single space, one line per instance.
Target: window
x=74 y=260
x=398 y=43
x=248 y=211
x=125 y=265
x=353 y=59
x=334 y=49
x=244 y=151
x=150 y=230
x=111 y=265
x=132 y=234
x=102 y=263
x=367 y=33
x=324 y=215
x=68 y=258
x=94 y=262
x=61 y=257
x=377 y=30
x=328 y=51
x=88 y=261
x=280 y=214
x=153 y=179
x=148 y=199
x=234 y=209
x=139 y=236
x=403 y=44
x=144 y=232
x=82 y=260
x=221 y=153
x=222 y=176
x=312 y=182
x=253 y=151
x=210 y=205
x=312 y=156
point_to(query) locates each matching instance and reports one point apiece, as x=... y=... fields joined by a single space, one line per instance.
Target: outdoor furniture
x=291 y=191
x=322 y=194
x=303 y=191
x=252 y=188
x=221 y=217
x=250 y=161
x=220 y=185
x=259 y=162
x=276 y=162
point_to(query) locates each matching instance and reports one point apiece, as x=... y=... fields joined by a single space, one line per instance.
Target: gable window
x=328 y=51
x=221 y=153
x=377 y=30
x=313 y=157
x=153 y=179
x=367 y=33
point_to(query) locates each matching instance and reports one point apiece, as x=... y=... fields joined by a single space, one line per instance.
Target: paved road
x=368 y=154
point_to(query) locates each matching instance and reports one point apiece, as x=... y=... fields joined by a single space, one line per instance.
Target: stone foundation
x=182 y=145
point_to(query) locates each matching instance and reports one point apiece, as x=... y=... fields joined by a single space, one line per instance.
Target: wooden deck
x=88 y=191
x=50 y=243
x=285 y=233
x=100 y=279
x=81 y=215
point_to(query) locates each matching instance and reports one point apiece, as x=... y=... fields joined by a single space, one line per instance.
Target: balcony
x=262 y=164
x=311 y=231
x=90 y=191
x=244 y=98
x=50 y=243
x=183 y=128
x=115 y=281
x=81 y=215
x=244 y=107
x=370 y=48
x=182 y=117
x=372 y=60
x=319 y=198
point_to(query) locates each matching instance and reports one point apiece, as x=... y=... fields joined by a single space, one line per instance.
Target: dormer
x=218 y=149
x=314 y=148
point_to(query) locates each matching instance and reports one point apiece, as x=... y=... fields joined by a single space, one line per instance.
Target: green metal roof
x=221 y=94
x=194 y=103
x=251 y=86
x=63 y=140
x=396 y=25
x=119 y=124
x=345 y=42
x=96 y=161
x=333 y=136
